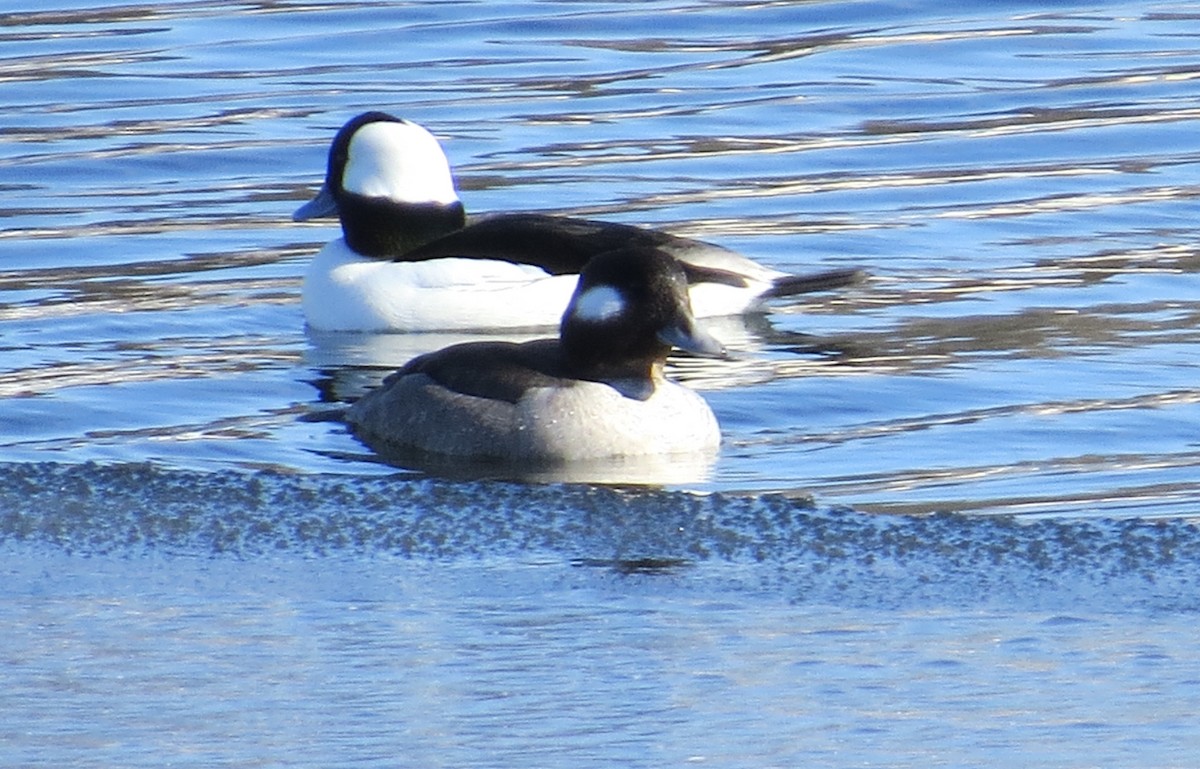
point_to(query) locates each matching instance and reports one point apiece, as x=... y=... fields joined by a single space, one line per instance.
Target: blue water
x=953 y=519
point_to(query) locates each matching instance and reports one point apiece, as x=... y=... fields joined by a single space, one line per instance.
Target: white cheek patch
x=598 y=304
x=398 y=161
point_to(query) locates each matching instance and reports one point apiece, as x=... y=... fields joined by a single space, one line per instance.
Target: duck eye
x=599 y=303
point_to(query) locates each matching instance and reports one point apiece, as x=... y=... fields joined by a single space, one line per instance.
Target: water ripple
x=1020 y=184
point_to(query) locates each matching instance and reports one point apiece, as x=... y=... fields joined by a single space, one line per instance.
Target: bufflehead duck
x=597 y=391
x=410 y=260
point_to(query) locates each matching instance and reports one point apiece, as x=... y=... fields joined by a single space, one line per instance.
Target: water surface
x=194 y=574
x=1019 y=183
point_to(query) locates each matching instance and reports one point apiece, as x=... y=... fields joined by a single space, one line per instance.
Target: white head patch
x=398 y=161
x=599 y=303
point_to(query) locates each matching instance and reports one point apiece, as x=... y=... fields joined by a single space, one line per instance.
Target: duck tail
x=828 y=280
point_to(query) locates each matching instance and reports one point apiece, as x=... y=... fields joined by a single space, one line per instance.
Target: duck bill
x=322 y=205
x=692 y=338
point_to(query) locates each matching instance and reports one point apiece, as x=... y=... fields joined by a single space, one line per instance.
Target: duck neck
x=635 y=376
x=385 y=229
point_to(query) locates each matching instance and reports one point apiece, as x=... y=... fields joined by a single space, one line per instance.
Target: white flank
x=346 y=292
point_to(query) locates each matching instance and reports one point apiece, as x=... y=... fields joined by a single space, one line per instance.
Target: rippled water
x=203 y=577
x=1019 y=182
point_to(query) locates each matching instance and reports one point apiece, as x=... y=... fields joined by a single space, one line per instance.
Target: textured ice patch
x=769 y=542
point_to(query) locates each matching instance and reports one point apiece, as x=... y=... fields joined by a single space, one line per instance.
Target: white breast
x=590 y=420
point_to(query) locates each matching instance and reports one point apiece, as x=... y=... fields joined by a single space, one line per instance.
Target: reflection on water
x=653 y=470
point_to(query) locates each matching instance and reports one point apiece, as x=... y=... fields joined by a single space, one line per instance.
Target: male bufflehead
x=410 y=260
x=597 y=391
